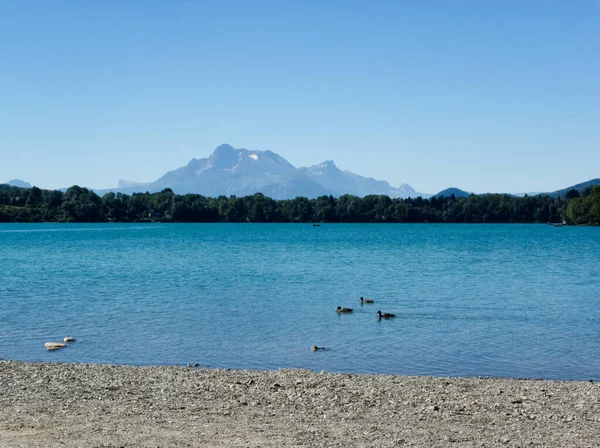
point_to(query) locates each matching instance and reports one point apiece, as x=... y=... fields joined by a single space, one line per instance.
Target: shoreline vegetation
x=71 y=405
x=81 y=205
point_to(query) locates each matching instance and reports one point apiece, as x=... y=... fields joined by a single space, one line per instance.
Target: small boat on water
x=558 y=224
x=316 y=224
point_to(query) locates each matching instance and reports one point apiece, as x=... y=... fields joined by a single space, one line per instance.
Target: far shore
x=72 y=405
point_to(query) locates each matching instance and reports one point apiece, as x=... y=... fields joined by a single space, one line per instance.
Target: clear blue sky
x=482 y=95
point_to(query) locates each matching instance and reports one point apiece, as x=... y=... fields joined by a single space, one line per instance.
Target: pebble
x=124 y=405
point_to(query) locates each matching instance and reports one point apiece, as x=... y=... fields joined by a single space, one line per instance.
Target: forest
x=78 y=204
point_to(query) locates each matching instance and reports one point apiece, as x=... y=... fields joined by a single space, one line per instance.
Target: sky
x=487 y=96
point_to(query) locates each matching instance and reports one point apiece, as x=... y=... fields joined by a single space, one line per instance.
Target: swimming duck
x=344 y=310
x=385 y=315
x=314 y=348
x=362 y=300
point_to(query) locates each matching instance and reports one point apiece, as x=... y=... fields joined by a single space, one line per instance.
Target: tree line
x=585 y=210
x=79 y=204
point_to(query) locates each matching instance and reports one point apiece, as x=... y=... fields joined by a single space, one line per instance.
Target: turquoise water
x=471 y=300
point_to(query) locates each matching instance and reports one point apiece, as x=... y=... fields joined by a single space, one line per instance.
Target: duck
x=344 y=310
x=314 y=348
x=362 y=300
x=385 y=315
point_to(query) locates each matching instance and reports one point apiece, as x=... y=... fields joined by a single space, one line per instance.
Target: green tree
x=35 y=197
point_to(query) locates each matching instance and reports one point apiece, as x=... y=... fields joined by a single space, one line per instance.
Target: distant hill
x=579 y=187
x=520 y=195
x=457 y=192
x=19 y=183
x=130 y=183
x=511 y=195
x=241 y=172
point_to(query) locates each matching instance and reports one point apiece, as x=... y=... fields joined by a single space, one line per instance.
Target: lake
x=471 y=300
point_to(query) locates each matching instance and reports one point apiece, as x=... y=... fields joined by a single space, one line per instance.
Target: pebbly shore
x=82 y=405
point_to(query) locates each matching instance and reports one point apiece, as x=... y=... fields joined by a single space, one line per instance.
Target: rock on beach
x=71 y=405
x=53 y=345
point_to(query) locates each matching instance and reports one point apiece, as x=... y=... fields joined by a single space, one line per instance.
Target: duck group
x=342 y=310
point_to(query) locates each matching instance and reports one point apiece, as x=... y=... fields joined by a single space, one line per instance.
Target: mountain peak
x=225 y=156
x=327 y=164
x=19 y=183
x=409 y=191
x=457 y=192
x=224 y=147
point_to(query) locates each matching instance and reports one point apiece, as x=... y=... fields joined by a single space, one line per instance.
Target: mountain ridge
x=241 y=172
x=580 y=187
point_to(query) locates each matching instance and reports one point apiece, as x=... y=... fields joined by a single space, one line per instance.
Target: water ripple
x=485 y=300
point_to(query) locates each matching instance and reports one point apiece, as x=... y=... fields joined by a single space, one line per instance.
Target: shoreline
x=99 y=405
x=296 y=222
x=202 y=367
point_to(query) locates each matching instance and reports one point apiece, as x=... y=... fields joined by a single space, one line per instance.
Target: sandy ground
x=80 y=405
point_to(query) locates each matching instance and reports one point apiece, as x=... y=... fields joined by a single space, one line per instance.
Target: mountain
x=457 y=192
x=341 y=182
x=19 y=183
x=229 y=171
x=297 y=186
x=130 y=183
x=579 y=187
x=521 y=195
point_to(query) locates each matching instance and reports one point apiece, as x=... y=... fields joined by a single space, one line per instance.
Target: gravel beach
x=82 y=405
